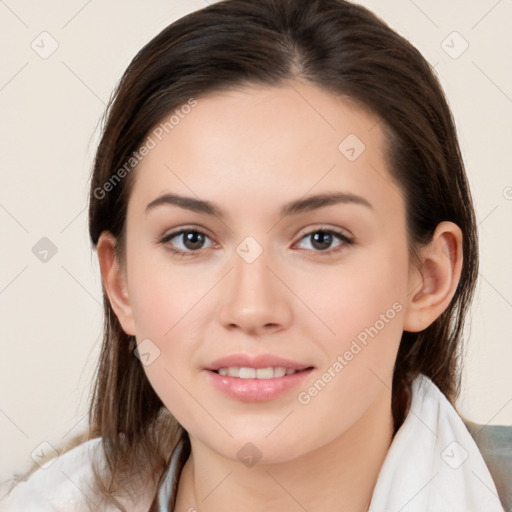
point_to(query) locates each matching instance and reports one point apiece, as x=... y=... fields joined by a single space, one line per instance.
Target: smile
x=256 y=373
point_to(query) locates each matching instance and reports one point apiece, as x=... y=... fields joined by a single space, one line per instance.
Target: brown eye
x=322 y=240
x=193 y=240
x=185 y=241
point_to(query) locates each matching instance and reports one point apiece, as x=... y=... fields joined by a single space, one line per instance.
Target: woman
x=288 y=250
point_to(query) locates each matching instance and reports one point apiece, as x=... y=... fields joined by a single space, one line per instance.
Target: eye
x=321 y=240
x=187 y=241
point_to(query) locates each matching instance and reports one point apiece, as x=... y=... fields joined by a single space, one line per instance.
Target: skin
x=250 y=151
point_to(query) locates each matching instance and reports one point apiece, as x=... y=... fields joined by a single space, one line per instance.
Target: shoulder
x=64 y=483
x=494 y=442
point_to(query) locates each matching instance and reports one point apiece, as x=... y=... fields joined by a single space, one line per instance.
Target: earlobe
x=438 y=275
x=114 y=281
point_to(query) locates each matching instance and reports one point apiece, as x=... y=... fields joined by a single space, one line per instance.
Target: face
x=249 y=272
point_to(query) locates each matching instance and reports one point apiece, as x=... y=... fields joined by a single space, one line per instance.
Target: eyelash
x=326 y=253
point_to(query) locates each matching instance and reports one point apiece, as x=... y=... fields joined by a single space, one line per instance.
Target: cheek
x=169 y=304
x=163 y=296
x=360 y=304
x=166 y=303
x=363 y=305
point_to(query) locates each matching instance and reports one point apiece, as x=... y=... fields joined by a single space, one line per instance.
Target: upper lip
x=255 y=361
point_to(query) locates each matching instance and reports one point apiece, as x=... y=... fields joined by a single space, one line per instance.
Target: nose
x=255 y=299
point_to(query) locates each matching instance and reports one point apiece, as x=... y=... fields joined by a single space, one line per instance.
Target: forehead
x=271 y=142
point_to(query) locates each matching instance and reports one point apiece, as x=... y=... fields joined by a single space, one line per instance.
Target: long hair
x=333 y=44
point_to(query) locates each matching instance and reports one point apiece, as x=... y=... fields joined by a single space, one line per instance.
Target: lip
x=256 y=361
x=256 y=390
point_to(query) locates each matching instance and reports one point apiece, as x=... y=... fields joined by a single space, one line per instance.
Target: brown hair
x=342 y=48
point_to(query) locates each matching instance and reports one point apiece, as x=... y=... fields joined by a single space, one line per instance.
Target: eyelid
x=185 y=229
x=324 y=227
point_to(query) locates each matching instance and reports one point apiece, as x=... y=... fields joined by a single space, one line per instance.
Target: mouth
x=246 y=372
x=256 y=378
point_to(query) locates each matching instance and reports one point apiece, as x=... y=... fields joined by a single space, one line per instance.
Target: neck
x=339 y=475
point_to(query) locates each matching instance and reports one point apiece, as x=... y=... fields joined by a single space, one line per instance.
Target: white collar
x=433 y=463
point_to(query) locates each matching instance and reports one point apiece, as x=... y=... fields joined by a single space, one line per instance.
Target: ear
x=433 y=282
x=113 y=277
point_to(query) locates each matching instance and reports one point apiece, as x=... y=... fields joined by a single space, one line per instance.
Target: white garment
x=433 y=465
x=66 y=485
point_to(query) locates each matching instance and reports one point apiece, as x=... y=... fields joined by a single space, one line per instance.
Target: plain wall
x=51 y=314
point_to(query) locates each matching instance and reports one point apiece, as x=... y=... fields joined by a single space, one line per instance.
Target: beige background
x=50 y=107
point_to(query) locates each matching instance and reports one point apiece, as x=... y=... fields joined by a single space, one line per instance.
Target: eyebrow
x=293 y=208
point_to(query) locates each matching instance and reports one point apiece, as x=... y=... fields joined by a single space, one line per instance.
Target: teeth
x=256 y=373
x=279 y=371
x=264 y=373
x=247 y=373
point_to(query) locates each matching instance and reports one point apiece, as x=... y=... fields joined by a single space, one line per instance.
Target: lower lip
x=257 y=390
